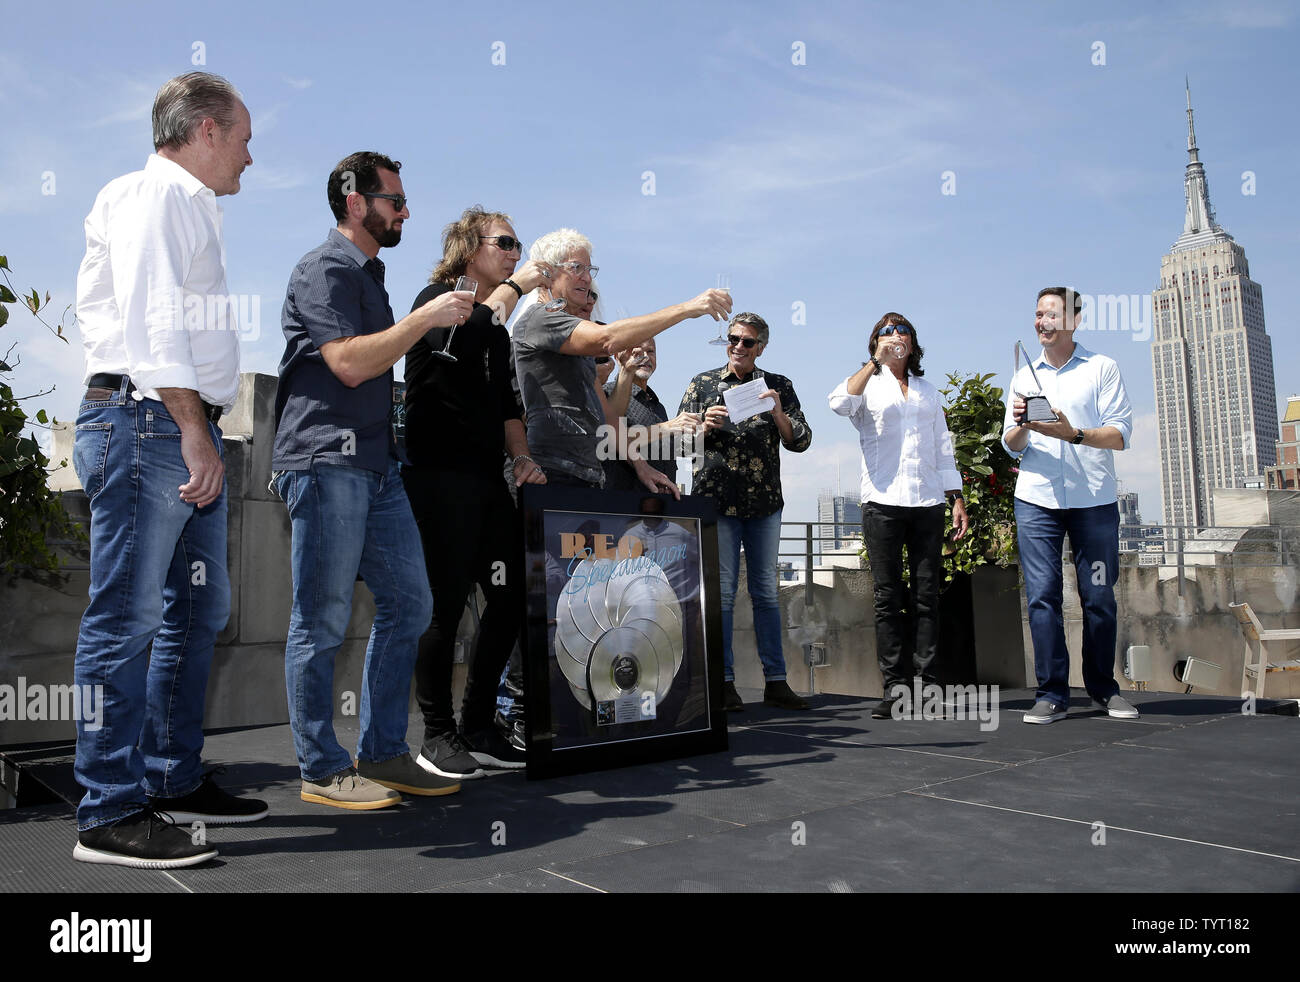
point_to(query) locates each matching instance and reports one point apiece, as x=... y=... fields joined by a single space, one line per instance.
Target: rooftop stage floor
x=1194 y=796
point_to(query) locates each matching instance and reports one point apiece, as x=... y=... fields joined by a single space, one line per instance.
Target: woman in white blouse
x=907 y=468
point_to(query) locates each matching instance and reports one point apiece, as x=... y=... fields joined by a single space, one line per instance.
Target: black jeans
x=471 y=533
x=907 y=619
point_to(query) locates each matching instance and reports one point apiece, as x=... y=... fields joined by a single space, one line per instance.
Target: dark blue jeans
x=157 y=576
x=1094 y=540
x=762 y=540
x=347 y=520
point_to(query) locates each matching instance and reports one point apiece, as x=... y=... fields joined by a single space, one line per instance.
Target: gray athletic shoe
x=1045 y=711
x=1118 y=707
x=404 y=774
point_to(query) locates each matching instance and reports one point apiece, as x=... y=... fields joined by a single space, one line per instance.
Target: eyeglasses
x=506 y=243
x=398 y=200
x=576 y=268
x=735 y=339
x=896 y=329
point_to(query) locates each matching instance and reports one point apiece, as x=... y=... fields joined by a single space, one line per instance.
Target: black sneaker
x=447 y=755
x=494 y=751
x=144 y=840
x=780 y=695
x=885 y=709
x=209 y=804
x=731 y=700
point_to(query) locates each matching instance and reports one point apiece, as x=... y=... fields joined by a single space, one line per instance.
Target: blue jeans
x=347 y=520
x=157 y=575
x=762 y=540
x=1094 y=540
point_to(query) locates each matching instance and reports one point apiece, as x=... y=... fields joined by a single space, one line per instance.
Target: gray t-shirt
x=561 y=408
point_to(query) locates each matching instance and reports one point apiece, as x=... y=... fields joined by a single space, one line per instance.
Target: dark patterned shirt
x=741 y=466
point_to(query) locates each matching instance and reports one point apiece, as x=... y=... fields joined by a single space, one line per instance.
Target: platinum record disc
x=572 y=667
x=620 y=582
x=663 y=647
x=570 y=644
x=580 y=601
x=583 y=697
x=623 y=663
x=599 y=585
x=647 y=589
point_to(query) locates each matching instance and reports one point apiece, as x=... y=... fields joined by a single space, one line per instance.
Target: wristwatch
x=513 y=285
x=1078 y=436
x=954 y=498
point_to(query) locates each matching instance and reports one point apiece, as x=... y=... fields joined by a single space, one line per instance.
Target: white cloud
x=264 y=177
x=298 y=83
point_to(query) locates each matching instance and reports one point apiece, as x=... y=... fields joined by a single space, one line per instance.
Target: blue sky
x=818 y=183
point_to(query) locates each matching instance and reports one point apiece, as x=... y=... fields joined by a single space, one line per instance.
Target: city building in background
x=1130 y=522
x=840 y=518
x=1285 y=474
x=1216 y=407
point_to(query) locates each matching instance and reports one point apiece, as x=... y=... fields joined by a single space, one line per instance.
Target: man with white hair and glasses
x=555 y=353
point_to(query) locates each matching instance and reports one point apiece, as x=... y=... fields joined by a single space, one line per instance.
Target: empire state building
x=1216 y=408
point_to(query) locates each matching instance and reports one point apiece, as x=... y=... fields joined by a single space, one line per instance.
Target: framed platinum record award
x=622 y=640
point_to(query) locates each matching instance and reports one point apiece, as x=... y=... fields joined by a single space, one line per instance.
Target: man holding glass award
x=1066 y=486
x=336 y=468
x=554 y=359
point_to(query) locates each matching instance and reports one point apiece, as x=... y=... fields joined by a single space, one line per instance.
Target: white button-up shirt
x=1056 y=473
x=151 y=293
x=906 y=447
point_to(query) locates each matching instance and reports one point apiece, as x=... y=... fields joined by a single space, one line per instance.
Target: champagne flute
x=724 y=284
x=463 y=285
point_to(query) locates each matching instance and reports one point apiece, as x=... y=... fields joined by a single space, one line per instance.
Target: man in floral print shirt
x=740 y=469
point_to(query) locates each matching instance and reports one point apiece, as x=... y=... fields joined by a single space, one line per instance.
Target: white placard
x=743 y=400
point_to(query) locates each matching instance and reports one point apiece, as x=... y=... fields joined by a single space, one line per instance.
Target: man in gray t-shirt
x=559 y=392
x=554 y=353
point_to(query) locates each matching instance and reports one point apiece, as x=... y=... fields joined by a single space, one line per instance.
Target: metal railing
x=1173 y=546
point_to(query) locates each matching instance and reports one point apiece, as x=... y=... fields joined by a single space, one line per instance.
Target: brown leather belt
x=106 y=381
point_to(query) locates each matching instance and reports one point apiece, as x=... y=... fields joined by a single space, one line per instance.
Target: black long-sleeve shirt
x=455 y=411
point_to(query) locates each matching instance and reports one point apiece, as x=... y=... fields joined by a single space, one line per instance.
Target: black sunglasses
x=506 y=243
x=896 y=329
x=398 y=200
x=735 y=339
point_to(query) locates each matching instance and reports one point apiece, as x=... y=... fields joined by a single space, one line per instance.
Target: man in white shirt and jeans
x=907 y=468
x=1066 y=486
x=162 y=364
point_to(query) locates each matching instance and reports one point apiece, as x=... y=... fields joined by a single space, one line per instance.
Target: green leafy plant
x=31 y=515
x=975 y=411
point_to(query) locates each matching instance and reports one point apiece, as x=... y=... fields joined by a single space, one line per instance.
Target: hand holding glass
x=463 y=285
